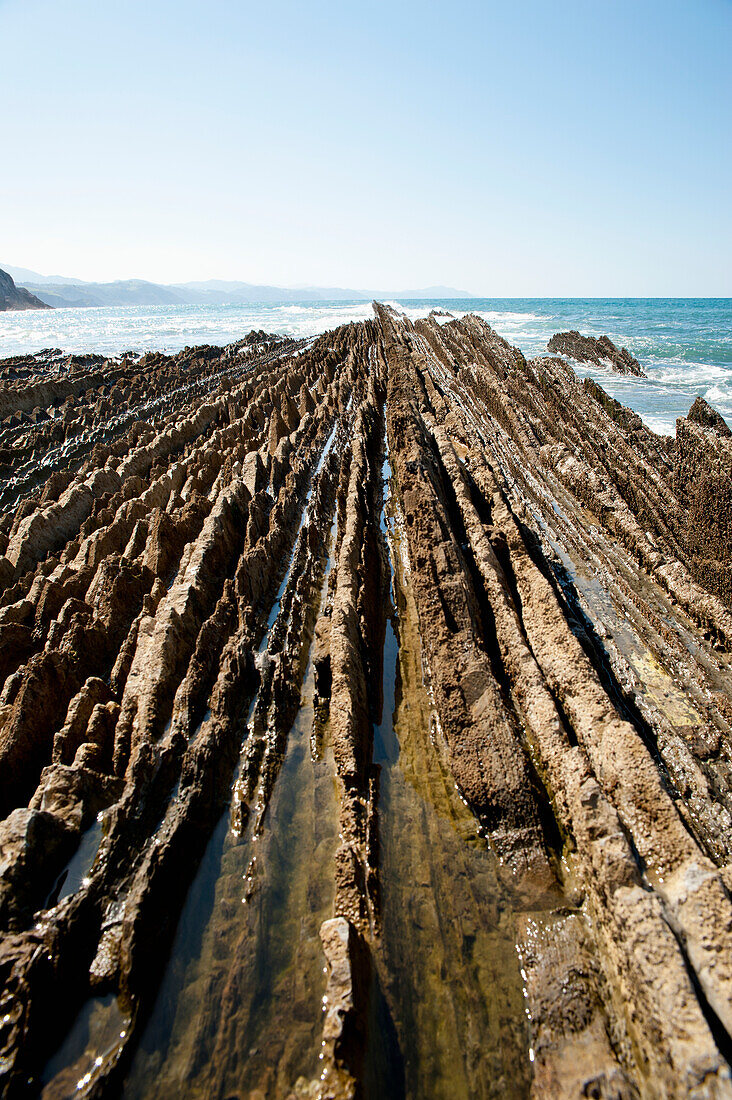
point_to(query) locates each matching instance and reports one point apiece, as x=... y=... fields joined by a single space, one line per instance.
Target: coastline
x=683 y=344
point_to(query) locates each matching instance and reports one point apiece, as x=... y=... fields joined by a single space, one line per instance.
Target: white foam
x=507 y=317
x=414 y=313
x=680 y=373
x=661 y=425
x=719 y=394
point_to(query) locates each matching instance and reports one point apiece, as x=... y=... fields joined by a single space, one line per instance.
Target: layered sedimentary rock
x=595 y=349
x=411 y=656
x=17 y=297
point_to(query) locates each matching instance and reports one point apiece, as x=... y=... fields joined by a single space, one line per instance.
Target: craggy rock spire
x=392 y=629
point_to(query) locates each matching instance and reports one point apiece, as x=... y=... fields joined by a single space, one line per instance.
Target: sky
x=521 y=148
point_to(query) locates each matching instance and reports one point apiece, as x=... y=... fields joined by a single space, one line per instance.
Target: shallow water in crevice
x=80 y=1055
x=240 y=1006
x=74 y=873
x=446 y=954
x=304 y=519
x=95 y=1036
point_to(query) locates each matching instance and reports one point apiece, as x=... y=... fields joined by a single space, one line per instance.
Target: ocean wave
x=494 y=317
x=674 y=373
x=661 y=425
x=718 y=395
x=414 y=313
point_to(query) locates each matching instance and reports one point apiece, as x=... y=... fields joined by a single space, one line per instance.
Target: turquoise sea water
x=684 y=344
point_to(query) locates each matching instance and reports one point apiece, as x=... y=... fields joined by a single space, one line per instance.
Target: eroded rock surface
x=391 y=618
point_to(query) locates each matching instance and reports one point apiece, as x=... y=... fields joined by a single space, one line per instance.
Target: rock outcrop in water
x=595 y=349
x=17 y=297
x=392 y=670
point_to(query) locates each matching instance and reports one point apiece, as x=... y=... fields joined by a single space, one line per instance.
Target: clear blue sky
x=574 y=147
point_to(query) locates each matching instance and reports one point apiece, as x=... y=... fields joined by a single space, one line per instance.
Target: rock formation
x=17 y=297
x=594 y=349
x=365 y=725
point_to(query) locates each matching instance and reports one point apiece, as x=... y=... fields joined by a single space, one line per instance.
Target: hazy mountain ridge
x=58 y=290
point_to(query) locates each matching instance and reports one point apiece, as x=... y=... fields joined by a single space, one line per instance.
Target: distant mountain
x=58 y=290
x=24 y=276
x=17 y=297
x=220 y=290
x=126 y=292
x=425 y=292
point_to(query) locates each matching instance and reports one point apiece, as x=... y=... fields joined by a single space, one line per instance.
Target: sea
x=683 y=344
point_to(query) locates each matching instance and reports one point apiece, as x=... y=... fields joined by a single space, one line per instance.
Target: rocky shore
x=365 y=725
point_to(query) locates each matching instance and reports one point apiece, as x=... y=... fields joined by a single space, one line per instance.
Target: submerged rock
x=595 y=349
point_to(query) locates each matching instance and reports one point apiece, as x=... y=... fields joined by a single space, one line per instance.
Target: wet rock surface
x=595 y=349
x=365 y=718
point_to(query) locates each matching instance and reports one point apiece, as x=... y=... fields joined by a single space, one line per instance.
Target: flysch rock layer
x=164 y=531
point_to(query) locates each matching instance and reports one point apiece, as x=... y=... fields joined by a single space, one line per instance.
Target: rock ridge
x=204 y=559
